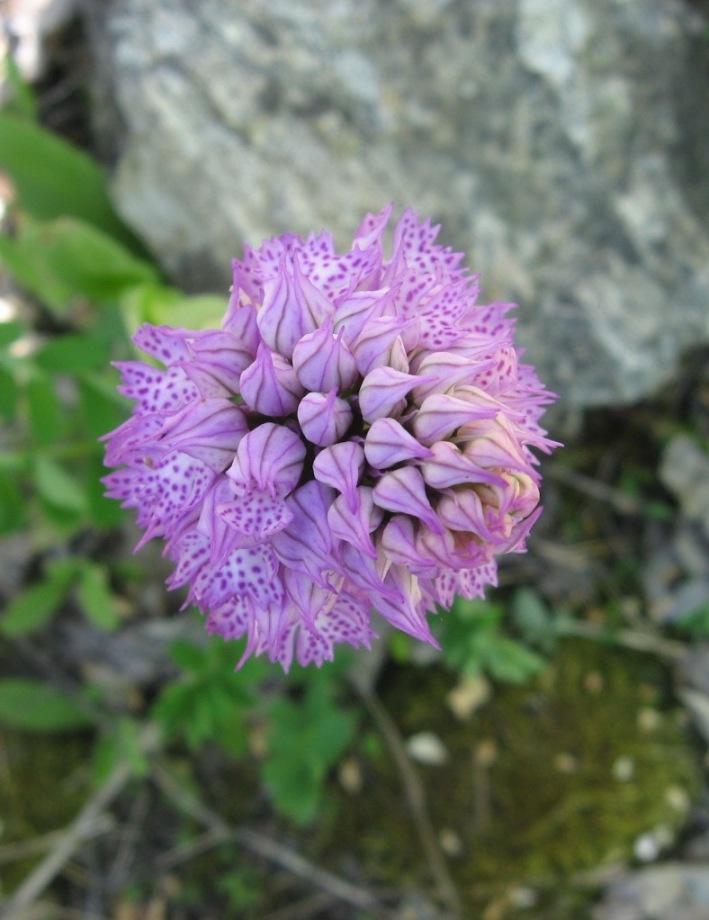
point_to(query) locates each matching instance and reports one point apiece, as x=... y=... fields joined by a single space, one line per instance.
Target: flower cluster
x=356 y=436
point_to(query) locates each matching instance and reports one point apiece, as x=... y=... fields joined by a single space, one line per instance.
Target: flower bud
x=323 y=361
x=324 y=418
x=270 y=385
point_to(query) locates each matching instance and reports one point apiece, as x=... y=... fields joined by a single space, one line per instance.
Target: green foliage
x=53 y=179
x=695 y=623
x=57 y=399
x=161 y=305
x=65 y=259
x=242 y=887
x=22 y=100
x=307 y=737
x=473 y=640
x=539 y=627
x=34 y=706
x=34 y=607
x=121 y=743
x=307 y=732
x=209 y=702
x=94 y=595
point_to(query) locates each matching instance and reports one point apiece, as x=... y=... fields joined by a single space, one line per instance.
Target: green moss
x=545 y=782
x=43 y=780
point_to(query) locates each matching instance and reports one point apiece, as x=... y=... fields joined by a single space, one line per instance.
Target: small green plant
x=209 y=702
x=307 y=727
x=694 y=624
x=308 y=734
x=474 y=640
x=32 y=705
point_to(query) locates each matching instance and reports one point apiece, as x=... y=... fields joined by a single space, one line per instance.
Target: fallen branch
x=261 y=845
x=627 y=638
x=67 y=842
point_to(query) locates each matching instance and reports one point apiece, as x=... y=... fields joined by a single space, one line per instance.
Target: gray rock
x=562 y=144
x=667 y=892
x=684 y=470
x=27 y=24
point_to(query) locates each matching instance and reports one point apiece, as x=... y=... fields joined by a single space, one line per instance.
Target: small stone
x=648 y=846
x=648 y=719
x=427 y=748
x=566 y=763
x=468 y=695
x=623 y=769
x=594 y=682
x=451 y=844
x=350 y=775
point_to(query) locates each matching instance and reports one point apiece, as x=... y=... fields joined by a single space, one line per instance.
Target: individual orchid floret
x=323 y=361
x=270 y=385
x=356 y=439
x=324 y=418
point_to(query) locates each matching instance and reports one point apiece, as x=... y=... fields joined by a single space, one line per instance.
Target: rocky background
x=563 y=144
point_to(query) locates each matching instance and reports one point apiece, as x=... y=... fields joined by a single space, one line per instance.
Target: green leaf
x=46 y=417
x=91 y=262
x=10 y=331
x=130 y=748
x=508 y=660
x=305 y=741
x=64 y=259
x=33 y=608
x=163 y=305
x=9 y=395
x=533 y=619
x=33 y=706
x=22 y=100
x=25 y=261
x=188 y=656
x=102 y=406
x=12 y=501
x=57 y=487
x=95 y=598
x=473 y=640
x=296 y=792
x=72 y=353
x=209 y=703
x=54 y=179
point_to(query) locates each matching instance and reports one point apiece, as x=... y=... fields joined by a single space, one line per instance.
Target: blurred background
x=551 y=762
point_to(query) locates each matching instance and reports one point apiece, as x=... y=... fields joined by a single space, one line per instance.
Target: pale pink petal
x=269 y=458
x=382 y=393
x=269 y=385
x=323 y=362
x=324 y=418
x=341 y=466
x=388 y=443
x=404 y=491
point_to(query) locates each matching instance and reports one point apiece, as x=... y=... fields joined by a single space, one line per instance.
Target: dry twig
x=415 y=796
x=261 y=845
x=82 y=828
x=618 y=500
x=628 y=638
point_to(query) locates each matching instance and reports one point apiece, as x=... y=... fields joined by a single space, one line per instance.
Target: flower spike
x=356 y=438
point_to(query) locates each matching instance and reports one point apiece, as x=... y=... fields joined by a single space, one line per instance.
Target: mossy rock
x=544 y=783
